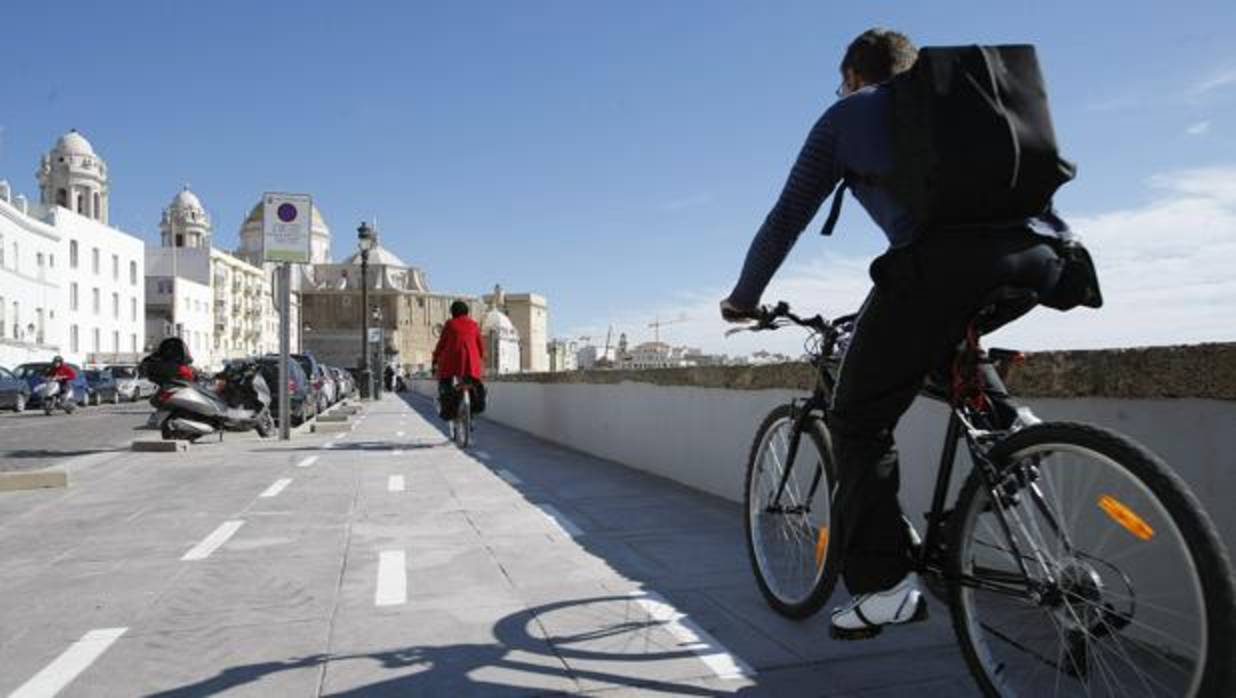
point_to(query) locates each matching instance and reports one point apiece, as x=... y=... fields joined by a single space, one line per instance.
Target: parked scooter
x=52 y=397
x=240 y=402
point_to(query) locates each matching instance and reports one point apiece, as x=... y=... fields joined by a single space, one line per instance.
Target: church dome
x=497 y=321
x=74 y=143
x=378 y=255
x=187 y=200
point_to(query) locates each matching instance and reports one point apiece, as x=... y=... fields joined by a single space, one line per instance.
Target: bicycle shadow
x=452 y=670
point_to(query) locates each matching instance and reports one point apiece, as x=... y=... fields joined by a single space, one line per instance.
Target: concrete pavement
x=382 y=561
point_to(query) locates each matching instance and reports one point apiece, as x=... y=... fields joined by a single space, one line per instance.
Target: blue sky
x=616 y=157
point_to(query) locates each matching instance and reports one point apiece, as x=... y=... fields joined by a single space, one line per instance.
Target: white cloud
x=1220 y=79
x=1198 y=129
x=1165 y=269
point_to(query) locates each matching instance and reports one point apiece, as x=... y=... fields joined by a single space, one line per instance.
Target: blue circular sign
x=286 y=213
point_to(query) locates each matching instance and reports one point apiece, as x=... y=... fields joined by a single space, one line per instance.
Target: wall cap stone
x=1185 y=371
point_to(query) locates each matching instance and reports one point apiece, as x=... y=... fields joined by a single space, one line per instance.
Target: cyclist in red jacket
x=460 y=353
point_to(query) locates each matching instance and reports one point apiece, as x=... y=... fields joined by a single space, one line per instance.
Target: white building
x=240 y=318
x=71 y=284
x=656 y=355
x=563 y=355
x=502 y=353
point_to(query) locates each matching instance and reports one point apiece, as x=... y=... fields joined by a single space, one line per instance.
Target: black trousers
x=911 y=324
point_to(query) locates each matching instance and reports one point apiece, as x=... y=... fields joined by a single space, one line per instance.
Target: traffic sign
x=286 y=227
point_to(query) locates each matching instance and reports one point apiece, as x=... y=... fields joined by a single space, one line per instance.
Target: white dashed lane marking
x=67 y=666
x=305 y=463
x=392 y=579
x=275 y=489
x=395 y=484
x=214 y=541
x=509 y=477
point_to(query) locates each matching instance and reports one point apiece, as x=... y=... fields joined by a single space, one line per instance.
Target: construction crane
x=656 y=326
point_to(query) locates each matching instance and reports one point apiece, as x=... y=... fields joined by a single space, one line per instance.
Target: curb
x=38 y=479
x=160 y=446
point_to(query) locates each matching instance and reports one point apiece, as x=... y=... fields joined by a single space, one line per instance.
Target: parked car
x=103 y=386
x=14 y=392
x=131 y=386
x=317 y=380
x=299 y=393
x=343 y=379
x=33 y=374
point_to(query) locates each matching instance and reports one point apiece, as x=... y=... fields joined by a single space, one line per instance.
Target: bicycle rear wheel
x=788 y=539
x=463 y=421
x=1108 y=581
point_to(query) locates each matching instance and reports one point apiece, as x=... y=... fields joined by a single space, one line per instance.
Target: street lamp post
x=366 y=238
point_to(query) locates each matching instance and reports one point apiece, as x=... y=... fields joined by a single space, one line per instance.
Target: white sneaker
x=867 y=614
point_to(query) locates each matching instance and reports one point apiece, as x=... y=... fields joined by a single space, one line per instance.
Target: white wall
x=35 y=288
x=701 y=437
x=123 y=331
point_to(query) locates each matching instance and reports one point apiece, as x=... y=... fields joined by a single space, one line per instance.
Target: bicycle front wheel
x=788 y=517
x=1089 y=570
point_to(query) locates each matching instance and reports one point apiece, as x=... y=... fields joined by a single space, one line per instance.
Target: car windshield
x=124 y=372
x=27 y=370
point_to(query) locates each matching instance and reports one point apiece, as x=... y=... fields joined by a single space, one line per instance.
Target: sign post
x=286 y=233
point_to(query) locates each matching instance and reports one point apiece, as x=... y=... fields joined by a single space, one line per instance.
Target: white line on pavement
x=483 y=455
x=67 y=666
x=392 y=579
x=563 y=522
x=211 y=543
x=328 y=444
x=694 y=638
x=395 y=484
x=275 y=489
x=399 y=434
x=509 y=477
x=305 y=463
x=399 y=451
x=340 y=435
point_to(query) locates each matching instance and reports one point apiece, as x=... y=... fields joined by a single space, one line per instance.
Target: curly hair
x=878 y=54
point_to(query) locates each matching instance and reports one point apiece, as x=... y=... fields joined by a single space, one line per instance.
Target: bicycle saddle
x=1003 y=305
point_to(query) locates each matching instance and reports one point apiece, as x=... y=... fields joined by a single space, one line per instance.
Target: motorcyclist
x=63 y=374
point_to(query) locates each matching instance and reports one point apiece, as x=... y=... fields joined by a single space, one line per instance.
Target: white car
x=130 y=385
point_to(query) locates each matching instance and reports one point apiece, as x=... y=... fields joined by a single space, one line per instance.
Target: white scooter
x=52 y=397
x=188 y=411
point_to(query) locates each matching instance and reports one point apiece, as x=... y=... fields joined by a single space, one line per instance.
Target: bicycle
x=1037 y=558
x=461 y=425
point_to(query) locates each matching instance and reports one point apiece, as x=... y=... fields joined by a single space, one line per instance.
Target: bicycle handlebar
x=766 y=318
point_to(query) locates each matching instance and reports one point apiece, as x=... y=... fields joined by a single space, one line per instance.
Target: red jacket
x=64 y=373
x=460 y=350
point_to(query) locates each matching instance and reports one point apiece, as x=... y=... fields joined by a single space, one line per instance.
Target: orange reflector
x=821 y=545
x=1125 y=517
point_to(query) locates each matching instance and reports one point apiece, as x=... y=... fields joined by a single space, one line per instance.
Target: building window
x=94 y=336
x=115 y=267
x=115 y=342
x=133 y=273
x=98 y=210
x=73 y=344
x=1 y=255
x=81 y=205
x=94 y=300
x=73 y=297
x=133 y=343
x=62 y=196
x=116 y=306
x=94 y=257
x=133 y=309
x=2 y=323
x=38 y=260
x=51 y=261
x=72 y=254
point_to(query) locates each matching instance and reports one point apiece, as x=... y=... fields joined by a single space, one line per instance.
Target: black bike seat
x=1003 y=305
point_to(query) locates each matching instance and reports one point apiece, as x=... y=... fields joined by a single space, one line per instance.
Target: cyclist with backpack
x=950 y=245
x=459 y=355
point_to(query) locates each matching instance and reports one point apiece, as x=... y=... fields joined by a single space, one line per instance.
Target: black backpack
x=973 y=143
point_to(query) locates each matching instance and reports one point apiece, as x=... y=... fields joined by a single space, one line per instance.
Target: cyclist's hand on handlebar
x=733 y=313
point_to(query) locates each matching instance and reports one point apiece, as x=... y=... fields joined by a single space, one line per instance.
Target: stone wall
x=1198 y=371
